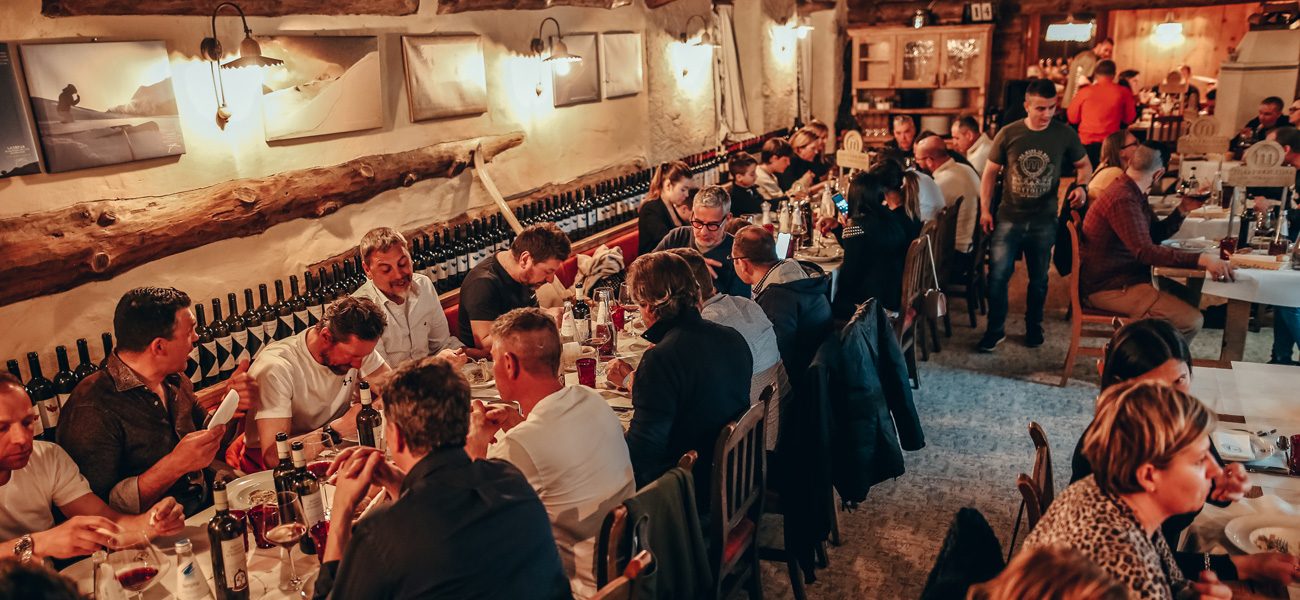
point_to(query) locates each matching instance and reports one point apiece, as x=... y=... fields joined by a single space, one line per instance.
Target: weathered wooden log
x=537 y=193
x=456 y=6
x=57 y=250
x=265 y=8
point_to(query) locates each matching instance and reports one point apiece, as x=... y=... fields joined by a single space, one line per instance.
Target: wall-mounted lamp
x=250 y=55
x=1069 y=31
x=1169 y=33
x=706 y=38
x=802 y=27
x=554 y=51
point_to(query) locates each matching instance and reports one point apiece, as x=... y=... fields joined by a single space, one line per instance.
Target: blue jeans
x=1033 y=237
x=1286 y=331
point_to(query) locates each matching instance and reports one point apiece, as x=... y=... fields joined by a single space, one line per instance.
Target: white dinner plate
x=1196 y=245
x=1246 y=532
x=239 y=492
x=825 y=256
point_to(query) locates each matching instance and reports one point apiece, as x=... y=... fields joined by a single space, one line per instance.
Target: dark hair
x=776 y=148
x=1275 y=101
x=663 y=282
x=33 y=581
x=968 y=123
x=1141 y=346
x=699 y=269
x=671 y=172
x=428 y=401
x=145 y=314
x=7 y=378
x=1289 y=137
x=540 y=355
x=741 y=162
x=543 y=241
x=349 y=316
x=890 y=172
x=1040 y=88
x=755 y=244
x=1105 y=40
x=866 y=189
x=1105 y=68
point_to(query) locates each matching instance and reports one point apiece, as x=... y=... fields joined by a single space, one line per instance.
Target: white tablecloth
x=1279 y=288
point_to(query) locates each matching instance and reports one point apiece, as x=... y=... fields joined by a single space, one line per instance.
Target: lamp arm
x=543 y=26
x=242 y=18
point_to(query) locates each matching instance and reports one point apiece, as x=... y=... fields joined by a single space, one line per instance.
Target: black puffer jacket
x=799 y=308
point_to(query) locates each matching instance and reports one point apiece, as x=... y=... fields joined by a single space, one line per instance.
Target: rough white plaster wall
x=826 y=43
x=779 y=65
x=560 y=144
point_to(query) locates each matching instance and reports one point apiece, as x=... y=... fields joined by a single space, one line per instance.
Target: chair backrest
x=1076 y=304
x=915 y=273
x=739 y=473
x=615 y=548
x=945 y=238
x=621 y=588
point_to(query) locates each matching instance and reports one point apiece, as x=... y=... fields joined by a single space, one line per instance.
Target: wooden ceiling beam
x=261 y=8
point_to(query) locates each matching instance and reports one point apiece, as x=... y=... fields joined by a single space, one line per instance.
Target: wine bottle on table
x=229 y=548
x=269 y=316
x=107 y=339
x=41 y=391
x=64 y=381
x=84 y=367
x=308 y=489
x=38 y=428
x=282 y=474
x=369 y=422
x=301 y=316
x=12 y=365
x=253 y=325
x=207 y=373
x=221 y=334
x=238 y=333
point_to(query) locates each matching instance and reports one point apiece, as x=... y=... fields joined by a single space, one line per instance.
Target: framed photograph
x=445 y=76
x=17 y=142
x=621 y=64
x=578 y=82
x=102 y=103
x=328 y=84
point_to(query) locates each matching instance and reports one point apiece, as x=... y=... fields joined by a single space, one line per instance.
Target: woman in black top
x=806 y=145
x=1151 y=349
x=875 y=235
x=666 y=205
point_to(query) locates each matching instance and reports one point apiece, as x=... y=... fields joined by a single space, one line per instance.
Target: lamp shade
x=250 y=55
x=560 y=53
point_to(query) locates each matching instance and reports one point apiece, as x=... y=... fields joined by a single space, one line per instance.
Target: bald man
x=956 y=181
x=37 y=476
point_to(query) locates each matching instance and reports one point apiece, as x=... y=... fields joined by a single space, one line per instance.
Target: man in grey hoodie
x=794 y=296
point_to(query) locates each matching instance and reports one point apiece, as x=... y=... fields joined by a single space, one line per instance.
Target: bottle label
x=287 y=322
x=313 y=508
x=193 y=368
x=268 y=331
x=236 y=564
x=191 y=584
x=50 y=412
x=240 y=345
x=228 y=358
x=302 y=318
x=463 y=263
x=63 y=399
x=208 y=359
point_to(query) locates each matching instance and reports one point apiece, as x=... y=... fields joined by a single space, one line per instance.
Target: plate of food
x=1265 y=533
x=479 y=374
x=251 y=490
x=821 y=254
x=1198 y=245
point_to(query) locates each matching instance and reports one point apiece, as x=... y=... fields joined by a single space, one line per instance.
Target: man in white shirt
x=931 y=197
x=310 y=380
x=35 y=476
x=968 y=141
x=742 y=314
x=955 y=180
x=568 y=444
x=417 y=325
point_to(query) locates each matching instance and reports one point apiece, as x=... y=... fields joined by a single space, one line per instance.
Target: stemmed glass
x=285 y=528
x=134 y=560
x=320 y=454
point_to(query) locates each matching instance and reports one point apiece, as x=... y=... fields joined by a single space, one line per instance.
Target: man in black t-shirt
x=507 y=280
x=1032 y=151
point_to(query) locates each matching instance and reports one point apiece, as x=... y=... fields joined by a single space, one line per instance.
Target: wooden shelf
x=915 y=111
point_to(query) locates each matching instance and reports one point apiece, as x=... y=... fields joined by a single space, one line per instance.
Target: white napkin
x=226 y=410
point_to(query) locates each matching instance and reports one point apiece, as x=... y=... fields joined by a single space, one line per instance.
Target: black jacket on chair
x=861 y=371
x=800 y=312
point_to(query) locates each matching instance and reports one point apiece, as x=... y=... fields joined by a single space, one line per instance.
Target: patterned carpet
x=975 y=409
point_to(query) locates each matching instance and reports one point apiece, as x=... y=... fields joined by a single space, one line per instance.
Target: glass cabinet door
x=964 y=60
x=874 y=61
x=918 y=60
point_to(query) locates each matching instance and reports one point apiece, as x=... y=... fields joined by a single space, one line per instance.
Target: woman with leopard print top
x=1149 y=449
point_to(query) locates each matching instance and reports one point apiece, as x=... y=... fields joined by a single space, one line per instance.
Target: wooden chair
x=909 y=318
x=1085 y=322
x=971 y=284
x=1037 y=491
x=614 y=545
x=772 y=506
x=739 y=482
x=930 y=231
x=621 y=587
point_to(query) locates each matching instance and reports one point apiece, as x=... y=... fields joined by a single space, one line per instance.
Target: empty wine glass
x=134 y=560
x=285 y=528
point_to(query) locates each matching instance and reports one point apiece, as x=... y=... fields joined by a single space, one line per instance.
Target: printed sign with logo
x=1262 y=168
x=851 y=155
x=1203 y=137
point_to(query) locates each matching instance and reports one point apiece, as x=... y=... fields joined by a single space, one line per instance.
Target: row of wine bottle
x=445 y=256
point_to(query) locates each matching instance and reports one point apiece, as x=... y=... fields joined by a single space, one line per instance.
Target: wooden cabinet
x=894 y=66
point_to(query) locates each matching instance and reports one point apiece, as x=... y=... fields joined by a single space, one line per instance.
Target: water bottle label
x=236 y=564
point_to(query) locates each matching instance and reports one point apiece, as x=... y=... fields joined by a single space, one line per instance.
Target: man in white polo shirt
x=569 y=444
x=310 y=380
x=417 y=325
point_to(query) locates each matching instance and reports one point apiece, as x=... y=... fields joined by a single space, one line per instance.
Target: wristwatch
x=24 y=547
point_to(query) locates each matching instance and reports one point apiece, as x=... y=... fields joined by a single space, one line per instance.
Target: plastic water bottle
x=191 y=584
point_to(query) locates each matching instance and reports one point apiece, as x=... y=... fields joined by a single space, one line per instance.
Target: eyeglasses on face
x=710 y=225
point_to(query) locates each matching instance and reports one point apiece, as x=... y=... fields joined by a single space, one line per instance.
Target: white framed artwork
x=622 y=64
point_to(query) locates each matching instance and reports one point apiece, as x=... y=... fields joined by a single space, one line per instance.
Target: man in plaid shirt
x=1121 y=242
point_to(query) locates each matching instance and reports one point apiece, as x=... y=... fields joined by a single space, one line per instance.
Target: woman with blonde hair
x=1051 y=573
x=1116 y=150
x=806 y=145
x=1149 y=448
x=666 y=206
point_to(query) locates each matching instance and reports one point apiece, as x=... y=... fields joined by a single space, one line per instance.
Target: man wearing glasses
x=707 y=234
